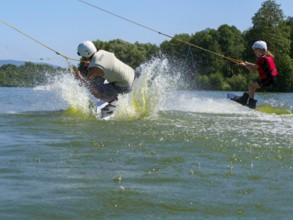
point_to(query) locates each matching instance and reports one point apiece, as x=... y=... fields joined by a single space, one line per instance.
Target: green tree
x=132 y=54
x=269 y=24
x=8 y=75
x=176 y=47
x=290 y=24
x=207 y=63
x=26 y=75
x=232 y=45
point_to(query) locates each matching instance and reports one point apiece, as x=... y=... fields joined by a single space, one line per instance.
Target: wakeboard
x=242 y=100
x=233 y=97
x=265 y=108
x=98 y=110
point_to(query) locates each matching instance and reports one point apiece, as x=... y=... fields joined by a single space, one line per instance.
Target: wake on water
x=157 y=89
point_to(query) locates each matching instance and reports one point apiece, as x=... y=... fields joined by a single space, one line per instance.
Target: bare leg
x=252 y=88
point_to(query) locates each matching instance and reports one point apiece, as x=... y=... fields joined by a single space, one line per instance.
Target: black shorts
x=267 y=82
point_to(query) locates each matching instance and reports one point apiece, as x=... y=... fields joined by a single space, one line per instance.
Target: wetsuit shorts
x=108 y=91
x=267 y=82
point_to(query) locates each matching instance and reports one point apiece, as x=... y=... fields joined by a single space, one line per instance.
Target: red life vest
x=267 y=68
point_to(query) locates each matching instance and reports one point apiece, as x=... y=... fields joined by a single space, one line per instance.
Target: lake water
x=167 y=154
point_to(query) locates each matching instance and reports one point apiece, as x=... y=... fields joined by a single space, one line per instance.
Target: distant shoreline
x=19 y=63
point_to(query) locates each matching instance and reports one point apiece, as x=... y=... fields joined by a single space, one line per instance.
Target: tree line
x=204 y=70
x=207 y=71
x=27 y=75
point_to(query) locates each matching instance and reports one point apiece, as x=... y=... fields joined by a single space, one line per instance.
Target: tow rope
x=166 y=35
x=28 y=36
x=128 y=20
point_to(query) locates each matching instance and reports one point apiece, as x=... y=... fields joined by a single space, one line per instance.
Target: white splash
x=71 y=91
x=149 y=90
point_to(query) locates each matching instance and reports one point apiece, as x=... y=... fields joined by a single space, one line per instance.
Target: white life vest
x=115 y=71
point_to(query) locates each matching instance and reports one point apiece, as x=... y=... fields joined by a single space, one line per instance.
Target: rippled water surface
x=197 y=156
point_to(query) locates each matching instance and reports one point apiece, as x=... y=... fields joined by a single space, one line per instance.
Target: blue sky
x=63 y=24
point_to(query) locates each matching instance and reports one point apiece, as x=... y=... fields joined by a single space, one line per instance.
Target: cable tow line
x=58 y=53
x=166 y=35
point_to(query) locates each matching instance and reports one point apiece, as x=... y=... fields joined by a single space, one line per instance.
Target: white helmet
x=260 y=45
x=86 y=49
